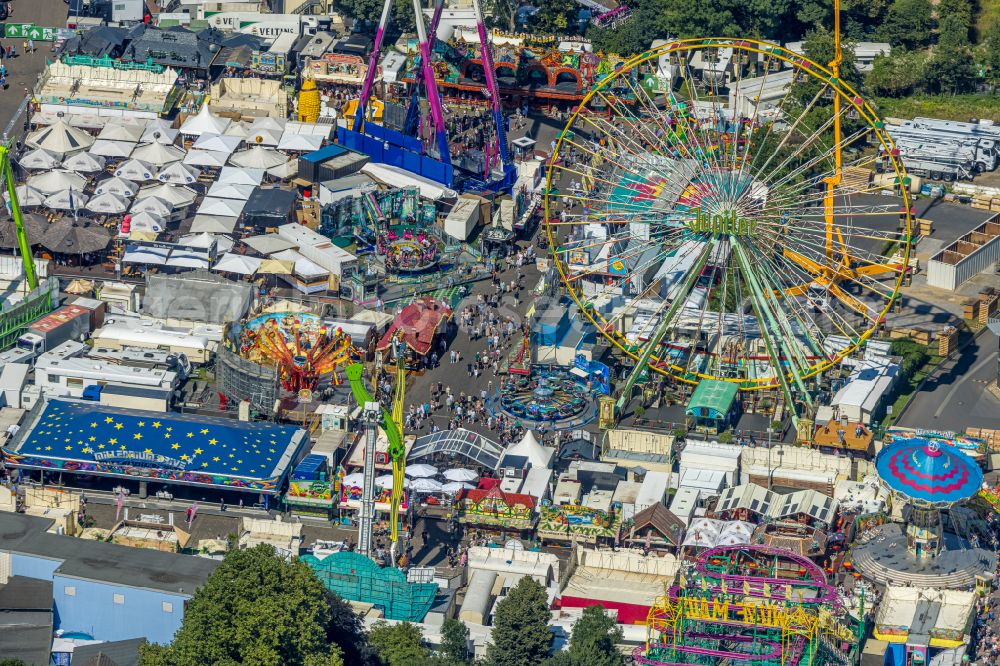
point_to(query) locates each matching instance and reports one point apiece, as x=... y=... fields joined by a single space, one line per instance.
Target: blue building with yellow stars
x=84 y=438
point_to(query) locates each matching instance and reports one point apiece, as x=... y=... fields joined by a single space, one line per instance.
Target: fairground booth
x=420 y=323
x=81 y=443
x=713 y=406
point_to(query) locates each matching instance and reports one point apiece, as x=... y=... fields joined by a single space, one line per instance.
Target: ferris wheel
x=710 y=209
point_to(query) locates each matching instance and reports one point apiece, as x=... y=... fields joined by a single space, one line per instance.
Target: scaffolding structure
x=359 y=215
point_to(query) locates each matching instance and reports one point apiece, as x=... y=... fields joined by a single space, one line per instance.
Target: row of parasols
x=420 y=480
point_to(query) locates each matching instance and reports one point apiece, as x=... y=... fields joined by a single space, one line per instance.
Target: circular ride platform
x=546 y=399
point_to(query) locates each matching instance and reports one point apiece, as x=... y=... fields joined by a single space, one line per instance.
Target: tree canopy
x=521 y=634
x=256 y=609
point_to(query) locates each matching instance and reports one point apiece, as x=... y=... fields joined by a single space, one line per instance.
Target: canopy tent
x=354 y=479
x=204 y=122
x=154 y=205
x=217 y=143
x=528 y=447
x=67 y=236
x=39 y=158
x=59 y=138
x=51 y=182
x=460 y=474
x=122 y=132
x=268 y=243
x=222 y=244
x=109 y=204
x=135 y=170
x=285 y=171
x=425 y=486
x=258 y=157
x=238 y=130
x=158 y=154
x=230 y=191
x=80 y=287
x=148 y=221
x=85 y=163
x=421 y=470
x=232 y=175
x=213 y=224
x=120 y=186
x=112 y=149
x=276 y=267
x=147 y=255
x=205 y=158
x=156 y=134
x=735 y=533
x=240 y=264
x=26 y=196
x=269 y=124
x=181 y=258
x=386 y=481
x=66 y=200
x=179 y=174
x=154 y=124
x=453 y=487
x=303 y=143
x=303 y=266
x=399 y=177
x=703 y=533
x=264 y=137
x=177 y=196
x=223 y=207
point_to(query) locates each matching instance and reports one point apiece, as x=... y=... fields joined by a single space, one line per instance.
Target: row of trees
x=256 y=609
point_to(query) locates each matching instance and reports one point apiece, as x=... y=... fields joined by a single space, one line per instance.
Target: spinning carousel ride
x=409 y=250
x=545 y=399
x=306 y=353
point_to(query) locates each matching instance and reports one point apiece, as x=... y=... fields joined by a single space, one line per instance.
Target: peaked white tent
x=213 y=224
x=39 y=158
x=120 y=186
x=177 y=196
x=703 y=533
x=217 y=143
x=286 y=170
x=178 y=174
x=223 y=207
x=156 y=134
x=112 y=149
x=66 y=200
x=60 y=138
x=154 y=205
x=158 y=154
x=26 y=196
x=259 y=157
x=135 y=170
x=237 y=263
x=204 y=122
x=148 y=221
x=528 y=447
x=238 y=130
x=121 y=132
x=300 y=142
x=51 y=182
x=269 y=124
x=264 y=137
x=107 y=203
x=207 y=240
x=735 y=533
x=230 y=191
x=231 y=175
x=84 y=163
x=205 y=158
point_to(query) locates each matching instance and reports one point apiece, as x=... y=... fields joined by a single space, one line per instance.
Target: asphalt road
x=24 y=70
x=954 y=397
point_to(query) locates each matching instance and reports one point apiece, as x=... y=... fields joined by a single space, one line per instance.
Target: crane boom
x=491 y=84
x=366 y=88
x=15 y=211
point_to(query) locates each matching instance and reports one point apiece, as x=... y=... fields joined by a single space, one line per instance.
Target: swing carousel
x=305 y=352
x=409 y=250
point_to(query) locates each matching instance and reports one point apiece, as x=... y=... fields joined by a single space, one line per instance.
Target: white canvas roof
x=178 y=173
x=264 y=137
x=286 y=170
x=153 y=205
x=148 y=221
x=135 y=170
x=237 y=129
x=241 y=176
x=60 y=138
x=238 y=263
x=121 y=132
x=217 y=143
x=269 y=243
x=177 y=196
x=85 y=163
x=114 y=149
x=204 y=122
x=157 y=134
x=268 y=123
x=300 y=142
x=259 y=157
x=205 y=158
x=180 y=258
x=537 y=455
x=142 y=254
x=39 y=158
x=51 y=182
x=213 y=224
x=158 y=154
x=206 y=240
x=108 y=203
x=703 y=533
x=116 y=185
x=397 y=177
x=66 y=200
x=303 y=267
x=224 y=207
x=314 y=129
x=230 y=191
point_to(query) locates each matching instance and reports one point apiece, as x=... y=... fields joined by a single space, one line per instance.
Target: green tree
x=954 y=22
x=909 y=23
x=555 y=17
x=455 y=642
x=897 y=74
x=12 y=662
x=594 y=638
x=991 y=51
x=860 y=18
x=521 y=634
x=950 y=70
x=257 y=609
x=399 y=644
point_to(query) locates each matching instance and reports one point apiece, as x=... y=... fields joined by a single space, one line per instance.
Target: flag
x=191 y=511
x=72 y=204
x=119 y=503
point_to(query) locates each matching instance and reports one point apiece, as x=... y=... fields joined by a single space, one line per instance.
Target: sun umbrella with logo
x=425 y=486
x=51 y=182
x=107 y=203
x=60 y=138
x=26 y=196
x=66 y=200
x=135 y=170
x=120 y=186
x=84 y=163
x=460 y=474
x=148 y=221
x=153 y=205
x=177 y=196
x=421 y=471
x=158 y=154
x=178 y=174
x=39 y=158
x=71 y=237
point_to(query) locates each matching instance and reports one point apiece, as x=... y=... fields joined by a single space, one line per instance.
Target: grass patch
x=945 y=107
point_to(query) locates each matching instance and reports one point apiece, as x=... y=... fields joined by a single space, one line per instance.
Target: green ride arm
x=361 y=394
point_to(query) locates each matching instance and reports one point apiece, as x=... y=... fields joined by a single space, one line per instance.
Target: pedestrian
x=31 y=45
x=24 y=46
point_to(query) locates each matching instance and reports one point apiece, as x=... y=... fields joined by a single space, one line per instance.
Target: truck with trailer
x=70 y=322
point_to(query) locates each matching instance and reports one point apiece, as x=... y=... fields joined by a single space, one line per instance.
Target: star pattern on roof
x=78 y=431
